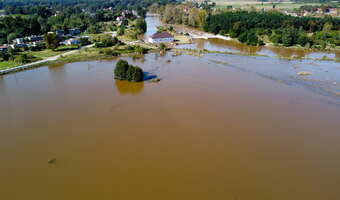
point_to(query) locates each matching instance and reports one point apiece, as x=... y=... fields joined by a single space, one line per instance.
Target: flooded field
x=215 y=127
x=217 y=44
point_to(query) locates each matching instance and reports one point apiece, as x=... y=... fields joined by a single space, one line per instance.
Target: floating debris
x=52 y=161
x=176 y=53
x=155 y=80
x=304 y=73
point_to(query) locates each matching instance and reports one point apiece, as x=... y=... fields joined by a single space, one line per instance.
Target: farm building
x=161 y=37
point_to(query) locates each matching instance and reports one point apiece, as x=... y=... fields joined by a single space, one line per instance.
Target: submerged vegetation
x=125 y=71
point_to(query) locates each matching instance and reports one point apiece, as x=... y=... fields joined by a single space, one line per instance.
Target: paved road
x=6 y=71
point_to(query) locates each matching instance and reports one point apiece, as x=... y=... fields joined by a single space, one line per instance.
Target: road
x=53 y=58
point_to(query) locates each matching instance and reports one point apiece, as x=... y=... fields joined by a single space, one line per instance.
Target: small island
x=125 y=71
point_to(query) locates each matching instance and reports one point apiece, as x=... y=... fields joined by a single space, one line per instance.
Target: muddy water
x=217 y=44
x=215 y=127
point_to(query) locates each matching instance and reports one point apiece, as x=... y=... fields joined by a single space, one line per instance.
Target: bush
x=134 y=74
x=124 y=71
x=110 y=52
x=84 y=41
x=22 y=59
x=121 y=68
x=106 y=41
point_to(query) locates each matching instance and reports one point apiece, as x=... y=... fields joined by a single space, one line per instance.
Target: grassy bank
x=85 y=54
x=33 y=56
x=92 y=53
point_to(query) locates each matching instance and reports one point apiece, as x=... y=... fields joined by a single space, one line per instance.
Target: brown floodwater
x=215 y=127
x=217 y=44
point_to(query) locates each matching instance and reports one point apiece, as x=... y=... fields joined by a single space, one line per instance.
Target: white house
x=161 y=37
x=71 y=41
x=18 y=40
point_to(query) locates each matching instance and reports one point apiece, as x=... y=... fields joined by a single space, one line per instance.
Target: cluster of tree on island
x=125 y=71
x=256 y=28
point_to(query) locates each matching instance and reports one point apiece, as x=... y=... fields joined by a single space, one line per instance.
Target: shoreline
x=87 y=57
x=199 y=34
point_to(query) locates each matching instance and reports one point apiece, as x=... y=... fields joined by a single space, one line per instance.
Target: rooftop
x=161 y=35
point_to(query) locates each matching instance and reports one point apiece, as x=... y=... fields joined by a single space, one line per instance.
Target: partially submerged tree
x=120 y=71
x=124 y=71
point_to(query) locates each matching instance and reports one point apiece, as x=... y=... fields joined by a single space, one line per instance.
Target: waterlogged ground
x=215 y=127
x=217 y=44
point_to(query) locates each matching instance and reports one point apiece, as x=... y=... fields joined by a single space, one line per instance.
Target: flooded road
x=215 y=127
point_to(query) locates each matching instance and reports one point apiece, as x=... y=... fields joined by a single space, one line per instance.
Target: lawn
x=7 y=64
x=36 y=55
x=44 y=53
x=49 y=53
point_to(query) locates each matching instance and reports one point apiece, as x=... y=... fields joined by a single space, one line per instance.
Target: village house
x=161 y=37
x=17 y=46
x=74 y=31
x=34 y=38
x=18 y=41
x=333 y=11
x=59 y=32
x=126 y=13
x=120 y=18
x=71 y=41
x=3 y=48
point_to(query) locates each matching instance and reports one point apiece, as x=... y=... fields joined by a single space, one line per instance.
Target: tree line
x=254 y=27
x=258 y=28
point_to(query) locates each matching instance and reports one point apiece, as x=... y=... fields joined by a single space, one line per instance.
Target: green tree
x=134 y=74
x=302 y=39
x=94 y=29
x=140 y=25
x=11 y=37
x=121 y=68
x=124 y=71
x=22 y=59
x=51 y=40
x=121 y=31
x=162 y=46
x=4 y=55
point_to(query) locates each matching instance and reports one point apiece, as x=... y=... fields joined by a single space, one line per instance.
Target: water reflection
x=140 y=58
x=217 y=44
x=125 y=87
x=57 y=65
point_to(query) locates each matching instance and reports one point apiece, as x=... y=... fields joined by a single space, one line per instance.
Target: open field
x=45 y=53
x=7 y=65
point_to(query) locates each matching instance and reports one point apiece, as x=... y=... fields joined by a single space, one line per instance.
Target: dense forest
x=314 y=1
x=91 y=5
x=253 y=27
